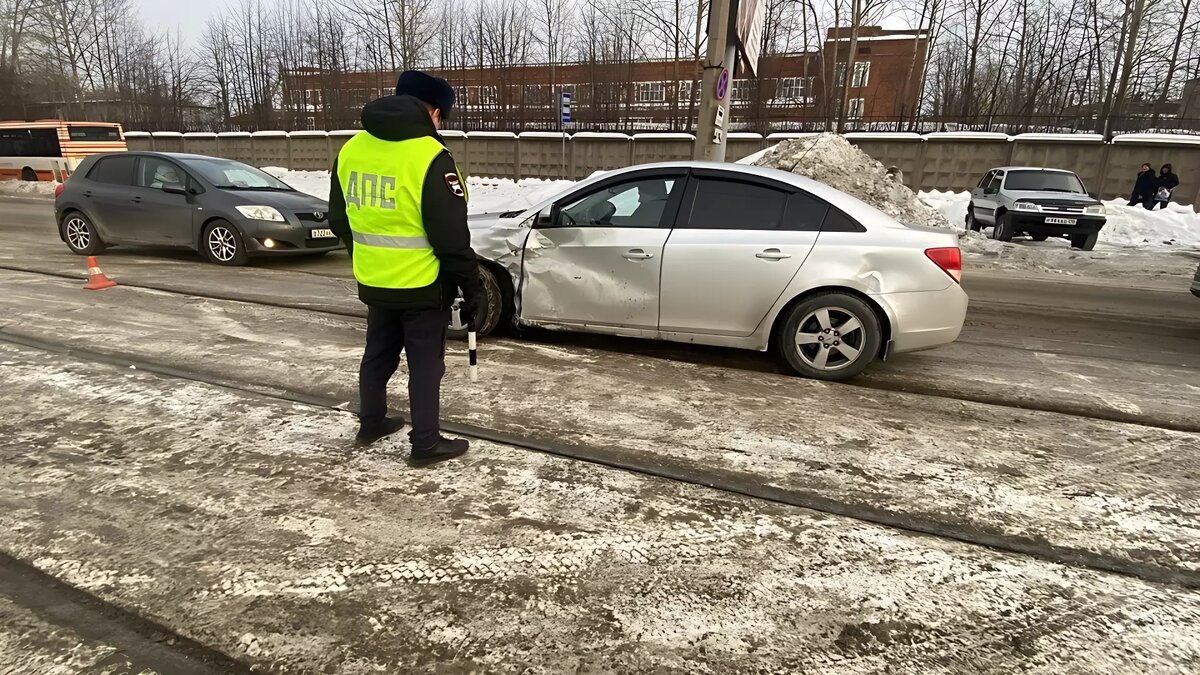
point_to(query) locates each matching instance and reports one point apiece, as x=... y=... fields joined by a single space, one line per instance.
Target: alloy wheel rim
x=222 y=244
x=78 y=234
x=830 y=338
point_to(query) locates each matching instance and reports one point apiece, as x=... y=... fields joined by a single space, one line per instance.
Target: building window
x=856 y=109
x=685 y=92
x=839 y=75
x=741 y=90
x=862 y=71
x=487 y=95
x=794 y=90
x=650 y=92
x=535 y=94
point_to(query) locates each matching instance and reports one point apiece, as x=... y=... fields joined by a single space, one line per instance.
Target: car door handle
x=137 y=200
x=87 y=193
x=773 y=254
x=637 y=254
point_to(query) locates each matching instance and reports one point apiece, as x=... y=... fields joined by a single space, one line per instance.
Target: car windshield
x=1046 y=181
x=230 y=175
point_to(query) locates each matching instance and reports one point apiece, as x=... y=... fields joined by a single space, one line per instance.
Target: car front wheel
x=831 y=336
x=81 y=235
x=1003 y=230
x=222 y=244
x=491 y=309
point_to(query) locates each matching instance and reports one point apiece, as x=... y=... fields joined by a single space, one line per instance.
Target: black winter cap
x=432 y=90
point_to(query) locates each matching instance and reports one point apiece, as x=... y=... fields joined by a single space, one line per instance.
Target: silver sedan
x=725 y=255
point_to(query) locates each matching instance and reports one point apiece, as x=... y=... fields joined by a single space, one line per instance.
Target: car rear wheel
x=81 y=234
x=1039 y=237
x=1084 y=240
x=222 y=244
x=831 y=336
x=1003 y=230
x=972 y=224
x=490 y=311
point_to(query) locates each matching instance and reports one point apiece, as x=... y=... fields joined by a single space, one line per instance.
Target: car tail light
x=949 y=259
x=58 y=189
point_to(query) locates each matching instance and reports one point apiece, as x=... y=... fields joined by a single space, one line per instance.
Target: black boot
x=367 y=436
x=446 y=448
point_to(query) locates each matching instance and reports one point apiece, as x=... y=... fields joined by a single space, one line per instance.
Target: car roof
x=1029 y=168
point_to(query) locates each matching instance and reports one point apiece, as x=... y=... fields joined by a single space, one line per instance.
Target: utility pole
x=717 y=85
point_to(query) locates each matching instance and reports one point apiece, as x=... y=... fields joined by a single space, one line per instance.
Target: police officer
x=400 y=204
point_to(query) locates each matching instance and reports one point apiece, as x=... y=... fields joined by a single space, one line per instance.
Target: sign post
x=714 y=92
x=564 y=120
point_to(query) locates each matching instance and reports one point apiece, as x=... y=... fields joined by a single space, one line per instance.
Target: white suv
x=1039 y=202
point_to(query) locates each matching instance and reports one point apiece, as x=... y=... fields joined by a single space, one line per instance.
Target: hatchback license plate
x=1060 y=221
x=326 y=234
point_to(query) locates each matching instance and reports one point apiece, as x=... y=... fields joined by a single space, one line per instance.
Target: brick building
x=792 y=91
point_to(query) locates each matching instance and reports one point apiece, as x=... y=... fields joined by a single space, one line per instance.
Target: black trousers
x=422 y=334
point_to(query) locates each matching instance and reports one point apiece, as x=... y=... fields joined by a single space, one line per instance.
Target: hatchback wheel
x=81 y=234
x=222 y=244
x=491 y=310
x=831 y=336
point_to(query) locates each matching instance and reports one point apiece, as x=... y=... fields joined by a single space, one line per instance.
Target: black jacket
x=1145 y=186
x=399 y=118
x=1168 y=180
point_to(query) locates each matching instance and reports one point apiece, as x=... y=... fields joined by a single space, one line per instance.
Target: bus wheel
x=28 y=174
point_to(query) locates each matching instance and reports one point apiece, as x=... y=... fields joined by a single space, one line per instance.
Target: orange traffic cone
x=96 y=278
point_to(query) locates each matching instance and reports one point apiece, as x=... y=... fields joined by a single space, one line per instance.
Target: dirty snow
x=27 y=188
x=488 y=195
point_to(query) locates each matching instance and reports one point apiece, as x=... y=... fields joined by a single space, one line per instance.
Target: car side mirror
x=545 y=217
x=175 y=188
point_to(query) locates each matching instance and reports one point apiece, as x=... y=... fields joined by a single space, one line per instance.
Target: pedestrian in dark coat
x=1167 y=182
x=1144 y=187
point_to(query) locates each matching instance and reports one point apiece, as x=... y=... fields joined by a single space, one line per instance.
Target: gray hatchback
x=226 y=210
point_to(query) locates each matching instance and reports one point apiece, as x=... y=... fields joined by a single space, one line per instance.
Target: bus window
x=29 y=143
x=79 y=133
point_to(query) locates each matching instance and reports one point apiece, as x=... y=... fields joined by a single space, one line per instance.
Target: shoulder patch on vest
x=455 y=185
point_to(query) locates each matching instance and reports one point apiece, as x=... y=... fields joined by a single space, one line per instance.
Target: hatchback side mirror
x=175 y=188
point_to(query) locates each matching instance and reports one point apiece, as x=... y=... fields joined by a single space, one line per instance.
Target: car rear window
x=804 y=213
x=114 y=170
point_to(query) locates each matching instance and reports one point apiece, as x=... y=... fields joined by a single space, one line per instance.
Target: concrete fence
x=940 y=161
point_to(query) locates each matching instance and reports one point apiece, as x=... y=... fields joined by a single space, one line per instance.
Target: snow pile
x=29 y=188
x=832 y=160
x=1177 y=226
x=488 y=195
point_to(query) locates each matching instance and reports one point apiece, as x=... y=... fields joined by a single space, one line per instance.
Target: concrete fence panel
x=544 y=154
x=456 y=143
x=201 y=144
x=493 y=154
x=310 y=151
x=648 y=148
x=742 y=144
x=139 y=141
x=599 y=152
x=1128 y=152
x=903 y=151
x=336 y=140
x=167 y=141
x=1082 y=153
x=955 y=161
x=271 y=148
x=237 y=145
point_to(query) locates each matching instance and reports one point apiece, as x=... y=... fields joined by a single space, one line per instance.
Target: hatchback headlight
x=1026 y=206
x=1097 y=210
x=262 y=213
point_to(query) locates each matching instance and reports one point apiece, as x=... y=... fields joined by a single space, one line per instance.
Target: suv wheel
x=1084 y=240
x=831 y=336
x=1003 y=230
x=81 y=234
x=972 y=224
x=222 y=244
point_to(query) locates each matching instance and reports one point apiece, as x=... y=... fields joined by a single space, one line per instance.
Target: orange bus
x=50 y=150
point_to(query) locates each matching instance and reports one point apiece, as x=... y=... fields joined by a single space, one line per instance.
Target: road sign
x=566 y=107
x=719 y=118
x=722 y=84
x=751 y=14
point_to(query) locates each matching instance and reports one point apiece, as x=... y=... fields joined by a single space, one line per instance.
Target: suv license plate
x=325 y=234
x=1060 y=221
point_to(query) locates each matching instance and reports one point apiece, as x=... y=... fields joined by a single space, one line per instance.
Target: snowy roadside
x=20 y=188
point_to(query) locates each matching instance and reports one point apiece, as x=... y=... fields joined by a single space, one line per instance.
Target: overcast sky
x=188 y=15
